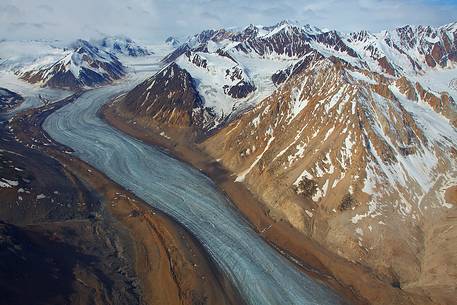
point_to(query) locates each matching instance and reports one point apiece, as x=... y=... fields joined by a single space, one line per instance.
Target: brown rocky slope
x=354 y=165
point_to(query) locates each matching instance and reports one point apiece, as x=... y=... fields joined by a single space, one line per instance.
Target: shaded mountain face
x=83 y=65
x=9 y=100
x=22 y=261
x=349 y=137
x=48 y=264
x=169 y=97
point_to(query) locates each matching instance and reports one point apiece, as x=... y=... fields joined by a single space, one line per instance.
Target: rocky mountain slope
x=355 y=165
x=349 y=137
x=167 y=102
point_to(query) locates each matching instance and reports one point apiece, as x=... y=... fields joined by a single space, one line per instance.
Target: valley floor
x=99 y=244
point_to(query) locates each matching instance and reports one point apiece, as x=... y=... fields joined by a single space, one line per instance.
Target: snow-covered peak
x=283 y=24
x=201 y=38
x=80 y=65
x=310 y=29
x=82 y=47
x=81 y=43
x=450 y=27
x=282 y=27
x=173 y=41
x=233 y=36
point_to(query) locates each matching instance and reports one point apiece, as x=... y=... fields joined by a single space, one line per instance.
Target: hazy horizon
x=152 y=20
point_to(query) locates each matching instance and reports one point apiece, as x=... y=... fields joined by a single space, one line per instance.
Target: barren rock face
x=168 y=97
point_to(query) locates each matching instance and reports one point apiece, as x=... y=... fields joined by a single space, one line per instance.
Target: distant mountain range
x=79 y=65
x=83 y=65
x=236 y=69
x=122 y=46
